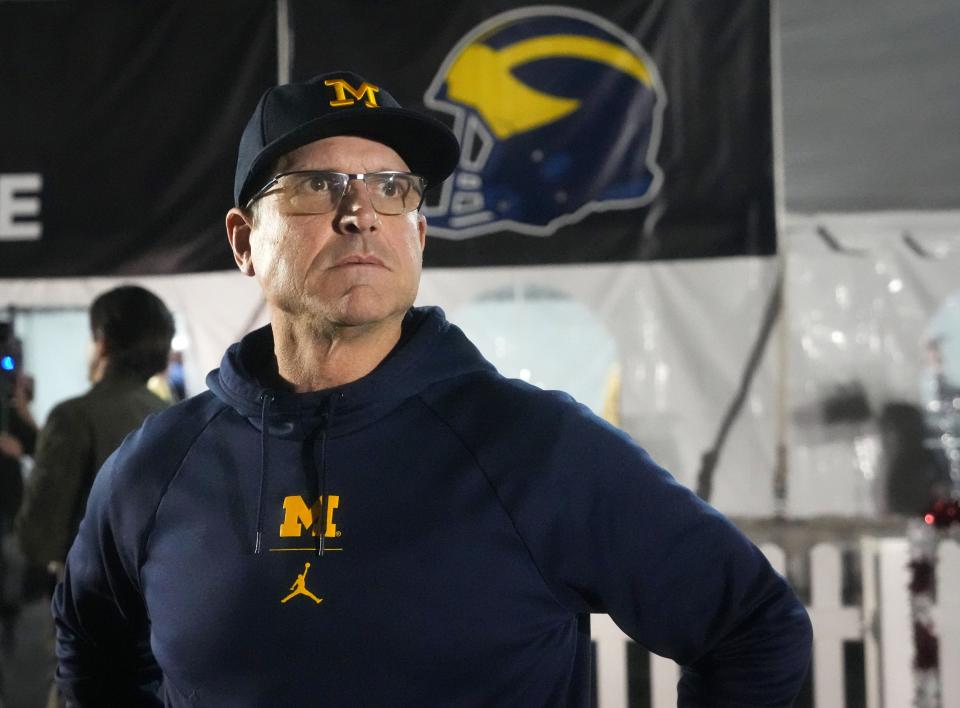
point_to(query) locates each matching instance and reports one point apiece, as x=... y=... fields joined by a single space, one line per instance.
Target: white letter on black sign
x=20 y=197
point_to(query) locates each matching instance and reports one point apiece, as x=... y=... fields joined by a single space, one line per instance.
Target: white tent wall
x=864 y=293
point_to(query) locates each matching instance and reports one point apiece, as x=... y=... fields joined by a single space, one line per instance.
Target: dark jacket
x=11 y=478
x=469 y=524
x=78 y=436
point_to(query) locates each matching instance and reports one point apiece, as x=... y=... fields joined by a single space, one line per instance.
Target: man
x=131 y=330
x=18 y=434
x=459 y=528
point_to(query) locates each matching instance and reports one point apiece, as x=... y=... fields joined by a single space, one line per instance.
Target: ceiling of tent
x=871 y=104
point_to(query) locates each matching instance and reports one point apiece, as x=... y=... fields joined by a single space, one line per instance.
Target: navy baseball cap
x=339 y=103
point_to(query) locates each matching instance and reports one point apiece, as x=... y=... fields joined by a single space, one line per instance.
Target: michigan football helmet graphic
x=558 y=112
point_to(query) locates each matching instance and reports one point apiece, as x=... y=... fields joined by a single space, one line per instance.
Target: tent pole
x=284 y=42
x=780 y=473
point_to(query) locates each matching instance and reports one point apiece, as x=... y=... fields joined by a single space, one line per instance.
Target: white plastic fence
x=882 y=623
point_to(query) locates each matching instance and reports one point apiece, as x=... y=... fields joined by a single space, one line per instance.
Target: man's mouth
x=360 y=260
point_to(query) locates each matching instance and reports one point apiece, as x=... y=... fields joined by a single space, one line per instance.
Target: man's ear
x=422 y=228
x=99 y=358
x=238 y=234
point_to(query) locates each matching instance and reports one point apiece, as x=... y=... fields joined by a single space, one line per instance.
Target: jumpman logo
x=299 y=587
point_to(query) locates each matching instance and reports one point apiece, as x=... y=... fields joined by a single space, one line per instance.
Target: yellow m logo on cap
x=342 y=88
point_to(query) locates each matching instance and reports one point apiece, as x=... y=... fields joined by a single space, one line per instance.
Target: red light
x=929 y=518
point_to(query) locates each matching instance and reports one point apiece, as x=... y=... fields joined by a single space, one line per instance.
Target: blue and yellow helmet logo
x=558 y=112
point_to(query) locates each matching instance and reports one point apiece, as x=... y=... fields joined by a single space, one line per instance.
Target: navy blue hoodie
x=432 y=534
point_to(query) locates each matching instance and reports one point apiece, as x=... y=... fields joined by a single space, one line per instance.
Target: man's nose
x=356 y=214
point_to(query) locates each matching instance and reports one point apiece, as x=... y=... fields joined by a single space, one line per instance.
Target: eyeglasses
x=320 y=191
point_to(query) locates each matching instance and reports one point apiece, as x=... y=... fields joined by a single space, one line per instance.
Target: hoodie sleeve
x=103 y=646
x=103 y=624
x=611 y=532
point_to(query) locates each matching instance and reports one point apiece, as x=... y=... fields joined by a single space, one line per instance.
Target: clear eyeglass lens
x=314 y=192
x=394 y=193
x=321 y=192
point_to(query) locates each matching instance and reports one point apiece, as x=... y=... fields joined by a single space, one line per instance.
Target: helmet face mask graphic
x=558 y=112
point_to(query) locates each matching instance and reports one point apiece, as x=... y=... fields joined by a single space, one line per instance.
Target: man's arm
x=611 y=532
x=103 y=627
x=103 y=647
x=677 y=576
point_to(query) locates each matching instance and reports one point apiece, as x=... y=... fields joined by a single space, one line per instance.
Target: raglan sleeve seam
x=494 y=490
x=151 y=521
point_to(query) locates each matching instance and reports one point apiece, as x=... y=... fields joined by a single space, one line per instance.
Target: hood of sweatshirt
x=430 y=350
x=427 y=338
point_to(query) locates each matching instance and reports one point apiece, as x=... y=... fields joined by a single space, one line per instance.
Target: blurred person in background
x=131 y=329
x=18 y=434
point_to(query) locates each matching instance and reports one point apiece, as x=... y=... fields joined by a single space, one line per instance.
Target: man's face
x=349 y=267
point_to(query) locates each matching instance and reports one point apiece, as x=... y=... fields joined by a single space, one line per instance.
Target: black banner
x=603 y=131
x=119 y=128
x=600 y=131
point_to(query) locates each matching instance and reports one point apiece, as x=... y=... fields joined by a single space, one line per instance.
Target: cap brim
x=428 y=147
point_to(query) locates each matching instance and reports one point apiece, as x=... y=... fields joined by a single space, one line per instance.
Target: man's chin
x=359 y=309
x=366 y=318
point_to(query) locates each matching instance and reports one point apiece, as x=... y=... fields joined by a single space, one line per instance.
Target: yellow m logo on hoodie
x=297 y=516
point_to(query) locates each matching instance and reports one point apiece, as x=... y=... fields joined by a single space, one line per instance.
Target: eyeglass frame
x=264 y=190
